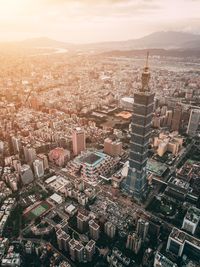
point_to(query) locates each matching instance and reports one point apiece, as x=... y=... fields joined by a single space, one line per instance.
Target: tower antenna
x=147 y=60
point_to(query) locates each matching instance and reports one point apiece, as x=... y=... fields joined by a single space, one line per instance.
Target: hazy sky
x=95 y=20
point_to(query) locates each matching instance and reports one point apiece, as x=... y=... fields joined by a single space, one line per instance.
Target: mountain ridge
x=157 y=40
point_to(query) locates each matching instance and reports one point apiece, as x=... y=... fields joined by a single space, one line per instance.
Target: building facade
x=193 y=122
x=136 y=181
x=78 y=141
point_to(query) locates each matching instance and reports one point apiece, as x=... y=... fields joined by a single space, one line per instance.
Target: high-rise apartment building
x=94 y=230
x=63 y=240
x=193 y=122
x=44 y=158
x=16 y=144
x=26 y=174
x=78 y=141
x=76 y=250
x=82 y=222
x=29 y=154
x=134 y=243
x=136 y=181
x=90 y=250
x=142 y=228
x=110 y=229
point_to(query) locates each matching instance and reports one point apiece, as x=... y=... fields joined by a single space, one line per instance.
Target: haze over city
x=99 y=133
x=85 y=21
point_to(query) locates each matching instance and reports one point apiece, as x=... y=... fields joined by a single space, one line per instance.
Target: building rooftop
x=182 y=237
x=94 y=225
x=193 y=215
x=92 y=158
x=156 y=167
x=179 y=183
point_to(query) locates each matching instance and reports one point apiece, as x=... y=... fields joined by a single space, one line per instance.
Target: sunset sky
x=83 y=21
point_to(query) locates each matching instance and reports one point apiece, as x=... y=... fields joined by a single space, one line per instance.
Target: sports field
x=38 y=210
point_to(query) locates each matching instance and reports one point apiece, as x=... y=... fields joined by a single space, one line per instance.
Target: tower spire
x=147 y=61
x=146 y=75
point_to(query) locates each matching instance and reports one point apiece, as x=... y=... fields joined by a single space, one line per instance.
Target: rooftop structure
x=191 y=220
x=181 y=243
x=162 y=261
x=93 y=164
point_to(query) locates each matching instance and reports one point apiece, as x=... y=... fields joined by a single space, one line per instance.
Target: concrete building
x=94 y=230
x=112 y=148
x=76 y=250
x=1 y=147
x=194 y=121
x=134 y=243
x=110 y=229
x=29 y=154
x=38 y=168
x=92 y=164
x=127 y=103
x=82 y=222
x=180 y=243
x=162 y=261
x=16 y=144
x=191 y=220
x=63 y=240
x=142 y=228
x=11 y=260
x=78 y=141
x=169 y=118
x=44 y=158
x=176 y=119
x=171 y=142
x=90 y=250
x=26 y=174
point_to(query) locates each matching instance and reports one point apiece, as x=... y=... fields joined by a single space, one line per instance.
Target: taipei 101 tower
x=136 y=181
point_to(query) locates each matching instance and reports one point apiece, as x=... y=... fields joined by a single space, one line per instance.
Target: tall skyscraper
x=176 y=119
x=136 y=181
x=193 y=122
x=78 y=140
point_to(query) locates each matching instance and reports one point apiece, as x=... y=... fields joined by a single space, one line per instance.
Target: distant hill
x=162 y=40
x=158 y=40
